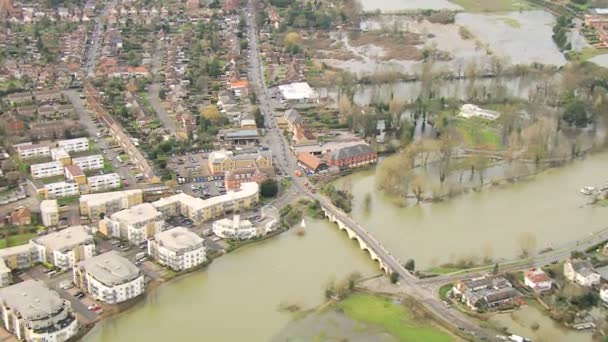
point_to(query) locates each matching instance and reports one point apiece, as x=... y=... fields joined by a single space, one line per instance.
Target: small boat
x=587 y=190
x=303 y=224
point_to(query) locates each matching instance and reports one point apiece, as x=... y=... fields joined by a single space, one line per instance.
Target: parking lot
x=190 y=164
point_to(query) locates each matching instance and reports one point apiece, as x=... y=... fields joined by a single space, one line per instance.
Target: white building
x=604 y=293
x=103 y=182
x=537 y=280
x=5 y=274
x=74 y=145
x=49 y=210
x=86 y=163
x=44 y=170
x=177 y=248
x=29 y=150
x=470 y=110
x=136 y=224
x=581 y=272
x=59 y=154
x=66 y=247
x=109 y=277
x=33 y=312
x=61 y=189
x=199 y=210
x=234 y=228
x=298 y=92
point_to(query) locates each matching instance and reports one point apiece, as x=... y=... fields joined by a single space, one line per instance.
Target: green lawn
x=478 y=134
x=67 y=200
x=442 y=270
x=53 y=179
x=394 y=318
x=493 y=5
x=16 y=240
x=443 y=291
x=512 y=22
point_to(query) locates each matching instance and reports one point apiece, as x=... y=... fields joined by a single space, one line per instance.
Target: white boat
x=303 y=224
x=587 y=190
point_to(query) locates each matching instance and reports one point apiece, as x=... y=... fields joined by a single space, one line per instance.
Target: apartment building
x=199 y=210
x=59 y=154
x=107 y=203
x=19 y=257
x=33 y=312
x=223 y=161
x=103 y=182
x=44 y=170
x=177 y=248
x=66 y=247
x=74 y=145
x=60 y=189
x=135 y=224
x=74 y=173
x=234 y=228
x=49 y=210
x=29 y=150
x=92 y=162
x=109 y=277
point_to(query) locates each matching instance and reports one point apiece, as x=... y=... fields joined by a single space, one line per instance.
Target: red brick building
x=233 y=179
x=352 y=156
x=311 y=163
x=21 y=217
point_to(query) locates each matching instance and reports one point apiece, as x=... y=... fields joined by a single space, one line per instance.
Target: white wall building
x=33 y=312
x=59 y=154
x=581 y=272
x=177 y=248
x=537 y=280
x=66 y=247
x=49 y=210
x=103 y=182
x=470 y=110
x=44 y=170
x=298 y=92
x=61 y=189
x=604 y=293
x=86 y=163
x=93 y=205
x=136 y=224
x=74 y=145
x=234 y=228
x=29 y=150
x=109 y=277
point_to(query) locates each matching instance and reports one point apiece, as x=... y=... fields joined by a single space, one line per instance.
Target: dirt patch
x=397 y=45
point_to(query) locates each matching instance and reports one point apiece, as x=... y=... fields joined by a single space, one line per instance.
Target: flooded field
x=364 y=95
x=404 y=5
x=521 y=37
x=601 y=60
x=524 y=322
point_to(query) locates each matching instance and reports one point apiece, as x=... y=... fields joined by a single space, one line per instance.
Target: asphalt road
x=96 y=37
x=167 y=121
x=86 y=120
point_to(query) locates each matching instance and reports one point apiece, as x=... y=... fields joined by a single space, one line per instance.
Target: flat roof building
x=104 y=182
x=44 y=170
x=107 y=203
x=66 y=247
x=178 y=248
x=61 y=189
x=33 y=312
x=109 y=277
x=135 y=224
x=29 y=150
x=49 y=210
x=74 y=145
x=92 y=162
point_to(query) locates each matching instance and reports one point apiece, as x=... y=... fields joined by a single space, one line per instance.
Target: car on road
x=79 y=294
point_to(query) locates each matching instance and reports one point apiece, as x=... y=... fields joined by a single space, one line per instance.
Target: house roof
x=352 y=151
x=110 y=268
x=536 y=275
x=239 y=84
x=309 y=160
x=583 y=267
x=74 y=170
x=31 y=299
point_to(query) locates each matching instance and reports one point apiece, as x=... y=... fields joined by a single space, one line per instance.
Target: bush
x=269 y=188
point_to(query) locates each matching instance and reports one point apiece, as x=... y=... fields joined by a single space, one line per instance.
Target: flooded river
x=238 y=297
x=387 y=6
x=547 y=211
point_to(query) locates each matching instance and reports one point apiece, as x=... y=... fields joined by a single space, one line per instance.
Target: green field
x=394 y=318
x=493 y=5
x=477 y=134
x=443 y=270
x=443 y=291
x=16 y=240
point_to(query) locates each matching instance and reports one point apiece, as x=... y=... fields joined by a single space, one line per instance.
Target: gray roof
x=583 y=267
x=352 y=151
x=179 y=239
x=65 y=239
x=32 y=299
x=243 y=133
x=293 y=116
x=110 y=268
